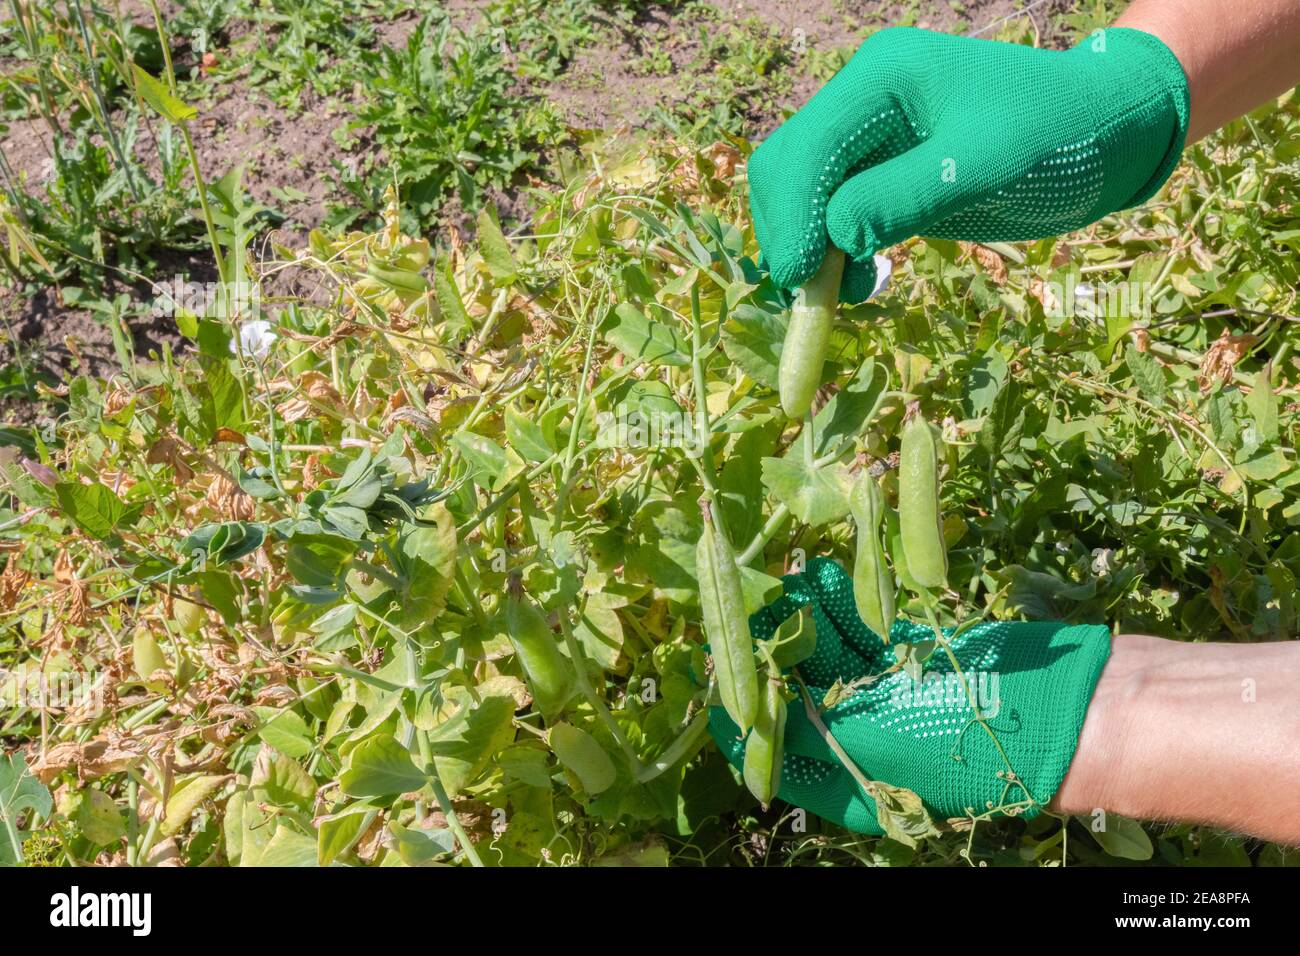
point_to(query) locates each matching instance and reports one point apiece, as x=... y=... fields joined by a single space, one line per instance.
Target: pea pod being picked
x=726 y=625
x=765 y=746
x=804 y=351
x=919 y=520
x=873 y=581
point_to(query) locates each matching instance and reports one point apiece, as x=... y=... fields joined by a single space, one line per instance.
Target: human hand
x=924 y=133
x=1032 y=682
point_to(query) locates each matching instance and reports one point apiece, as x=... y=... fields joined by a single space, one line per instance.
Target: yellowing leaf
x=160 y=98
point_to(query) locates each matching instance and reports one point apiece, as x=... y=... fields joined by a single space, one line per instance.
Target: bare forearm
x=1236 y=55
x=1205 y=733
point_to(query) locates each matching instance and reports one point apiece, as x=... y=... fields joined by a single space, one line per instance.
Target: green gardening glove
x=924 y=133
x=1033 y=682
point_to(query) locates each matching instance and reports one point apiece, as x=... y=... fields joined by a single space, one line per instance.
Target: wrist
x=1202 y=733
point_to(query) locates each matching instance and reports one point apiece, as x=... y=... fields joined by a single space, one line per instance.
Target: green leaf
x=527 y=764
x=416 y=847
x=1041 y=596
x=339 y=832
x=455 y=320
x=643 y=339
x=160 y=98
x=740 y=482
x=1000 y=434
x=1263 y=405
x=599 y=629
x=288 y=847
x=1222 y=420
x=319 y=561
x=487 y=459
x=526 y=437
x=845 y=415
x=1122 y=837
x=187 y=797
x=282 y=780
x=221 y=543
x=816 y=496
x=1264 y=465
x=97 y=817
x=795 y=639
x=1148 y=374
x=751 y=338
x=985 y=379
x=902 y=814
x=20 y=791
x=380 y=767
x=221 y=397
x=95 y=509
x=427 y=563
x=286 y=731
x=494 y=248
x=913 y=655
x=465 y=743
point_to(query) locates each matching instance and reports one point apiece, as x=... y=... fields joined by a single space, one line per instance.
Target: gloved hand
x=928 y=134
x=1033 y=682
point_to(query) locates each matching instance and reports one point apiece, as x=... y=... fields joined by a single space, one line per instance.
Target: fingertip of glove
x=848 y=226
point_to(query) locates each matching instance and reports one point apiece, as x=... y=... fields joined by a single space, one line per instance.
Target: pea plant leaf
x=902 y=814
x=1121 y=837
x=380 y=767
x=19 y=791
x=638 y=337
x=94 y=508
x=845 y=415
x=815 y=495
x=1000 y=433
x=464 y=744
x=751 y=338
x=427 y=564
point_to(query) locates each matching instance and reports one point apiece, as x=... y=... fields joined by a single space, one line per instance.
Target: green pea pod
x=583 y=756
x=550 y=674
x=765 y=746
x=919 y=520
x=726 y=625
x=894 y=535
x=400 y=280
x=873 y=581
x=804 y=351
x=146 y=655
x=188 y=616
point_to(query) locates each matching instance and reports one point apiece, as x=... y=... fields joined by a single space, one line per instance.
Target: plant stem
x=703 y=427
x=199 y=182
x=677 y=751
x=444 y=801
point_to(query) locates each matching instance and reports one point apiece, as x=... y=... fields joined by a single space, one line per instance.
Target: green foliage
x=349 y=503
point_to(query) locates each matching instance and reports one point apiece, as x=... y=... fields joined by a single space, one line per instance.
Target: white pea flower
x=255 y=339
x=884 y=268
x=1103 y=561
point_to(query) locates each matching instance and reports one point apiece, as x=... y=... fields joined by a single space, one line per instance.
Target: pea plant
x=450 y=558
